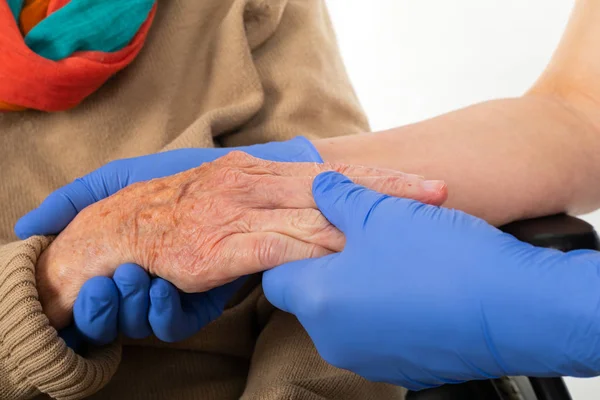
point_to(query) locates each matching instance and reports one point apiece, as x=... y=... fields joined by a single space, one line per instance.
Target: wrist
x=53 y=288
x=63 y=268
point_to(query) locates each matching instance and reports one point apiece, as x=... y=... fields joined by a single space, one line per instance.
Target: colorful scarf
x=55 y=53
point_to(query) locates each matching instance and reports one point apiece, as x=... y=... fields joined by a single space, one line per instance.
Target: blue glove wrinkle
x=423 y=295
x=110 y=181
x=96 y=183
x=323 y=186
x=471 y=366
x=496 y=357
x=333 y=191
x=96 y=311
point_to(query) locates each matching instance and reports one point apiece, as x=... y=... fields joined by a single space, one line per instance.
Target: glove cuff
x=310 y=148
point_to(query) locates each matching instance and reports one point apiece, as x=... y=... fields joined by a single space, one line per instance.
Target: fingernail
x=433 y=186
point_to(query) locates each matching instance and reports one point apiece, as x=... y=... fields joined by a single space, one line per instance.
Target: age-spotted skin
x=206 y=226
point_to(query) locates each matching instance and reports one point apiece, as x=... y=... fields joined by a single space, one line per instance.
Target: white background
x=413 y=59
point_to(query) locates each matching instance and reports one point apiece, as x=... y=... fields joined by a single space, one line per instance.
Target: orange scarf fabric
x=30 y=81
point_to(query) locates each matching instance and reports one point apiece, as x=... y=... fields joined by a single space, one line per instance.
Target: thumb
x=344 y=203
x=288 y=285
x=56 y=211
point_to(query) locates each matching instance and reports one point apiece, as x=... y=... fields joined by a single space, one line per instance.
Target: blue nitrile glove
x=136 y=305
x=423 y=296
x=132 y=302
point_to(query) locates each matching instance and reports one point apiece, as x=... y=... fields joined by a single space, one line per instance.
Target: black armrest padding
x=562 y=232
x=475 y=390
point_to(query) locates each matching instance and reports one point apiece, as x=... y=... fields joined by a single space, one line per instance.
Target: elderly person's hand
x=205 y=227
x=131 y=302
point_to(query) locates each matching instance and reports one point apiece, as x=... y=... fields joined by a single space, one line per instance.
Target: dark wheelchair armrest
x=561 y=232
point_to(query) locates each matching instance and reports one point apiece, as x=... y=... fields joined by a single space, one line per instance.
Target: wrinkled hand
x=422 y=296
x=133 y=303
x=205 y=227
x=62 y=205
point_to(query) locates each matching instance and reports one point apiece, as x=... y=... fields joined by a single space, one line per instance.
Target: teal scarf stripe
x=86 y=25
x=15 y=7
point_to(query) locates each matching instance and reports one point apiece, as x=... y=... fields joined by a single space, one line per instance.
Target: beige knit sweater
x=225 y=72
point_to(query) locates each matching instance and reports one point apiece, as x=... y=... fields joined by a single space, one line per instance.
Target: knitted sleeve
x=33 y=359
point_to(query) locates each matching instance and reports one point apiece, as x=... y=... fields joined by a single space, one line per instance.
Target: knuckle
x=200 y=265
x=247 y=222
x=312 y=222
x=317 y=221
x=259 y=183
x=269 y=250
x=268 y=165
x=229 y=175
x=299 y=219
x=316 y=168
x=324 y=167
x=238 y=158
x=239 y=155
x=395 y=185
x=343 y=169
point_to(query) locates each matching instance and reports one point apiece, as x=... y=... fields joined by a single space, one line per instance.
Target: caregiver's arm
x=513 y=158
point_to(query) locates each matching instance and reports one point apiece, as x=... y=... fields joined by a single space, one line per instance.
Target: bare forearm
x=503 y=160
x=509 y=159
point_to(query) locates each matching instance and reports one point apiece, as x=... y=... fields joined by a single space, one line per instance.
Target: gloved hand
x=132 y=302
x=423 y=296
x=136 y=305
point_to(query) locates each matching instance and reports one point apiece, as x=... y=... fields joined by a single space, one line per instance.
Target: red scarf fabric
x=28 y=81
